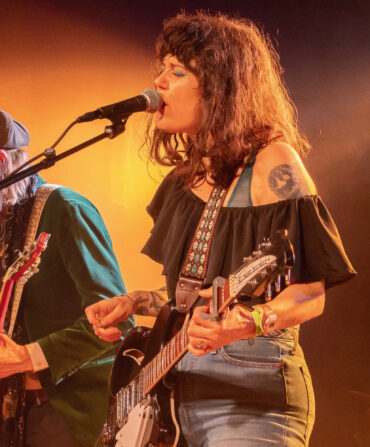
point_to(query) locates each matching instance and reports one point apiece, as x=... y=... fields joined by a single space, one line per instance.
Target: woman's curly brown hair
x=245 y=104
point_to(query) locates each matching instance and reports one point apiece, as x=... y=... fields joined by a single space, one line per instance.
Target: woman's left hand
x=206 y=335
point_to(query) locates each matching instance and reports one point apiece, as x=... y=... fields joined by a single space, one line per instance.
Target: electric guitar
x=21 y=270
x=11 y=388
x=141 y=413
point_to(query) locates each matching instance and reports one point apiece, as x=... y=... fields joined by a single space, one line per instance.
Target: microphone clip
x=116 y=128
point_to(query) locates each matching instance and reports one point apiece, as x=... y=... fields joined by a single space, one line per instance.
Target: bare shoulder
x=279 y=174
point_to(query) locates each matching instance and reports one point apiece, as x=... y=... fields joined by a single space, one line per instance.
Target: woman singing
x=227 y=121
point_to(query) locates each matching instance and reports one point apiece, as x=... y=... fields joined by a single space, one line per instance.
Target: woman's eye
x=178 y=73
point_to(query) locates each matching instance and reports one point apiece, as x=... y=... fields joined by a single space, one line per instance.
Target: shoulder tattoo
x=284 y=182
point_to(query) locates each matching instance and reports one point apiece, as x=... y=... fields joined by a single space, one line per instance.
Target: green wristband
x=257 y=317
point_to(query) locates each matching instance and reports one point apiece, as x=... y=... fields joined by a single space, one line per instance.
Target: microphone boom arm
x=112 y=131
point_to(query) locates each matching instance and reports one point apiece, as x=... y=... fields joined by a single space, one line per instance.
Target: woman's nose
x=161 y=81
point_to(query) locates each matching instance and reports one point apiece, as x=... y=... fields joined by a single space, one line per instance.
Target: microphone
x=148 y=101
x=13 y=135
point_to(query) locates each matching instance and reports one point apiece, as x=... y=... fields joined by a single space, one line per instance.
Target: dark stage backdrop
x=324 y=48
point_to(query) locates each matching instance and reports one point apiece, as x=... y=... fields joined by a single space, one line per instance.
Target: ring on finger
x=201 y=345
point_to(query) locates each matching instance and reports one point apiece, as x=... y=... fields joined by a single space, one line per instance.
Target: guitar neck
x=253 y=275
x=260 y=269
x=5 y=294
x=20 y=271
x=161 y=364
x=157 y=368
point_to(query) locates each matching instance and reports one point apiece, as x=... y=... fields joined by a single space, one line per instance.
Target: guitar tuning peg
x=253 y=282
x=247 y=259
x=268 y=292
x=287 y=277
x=265 y=243
x=262 y=244
x=278 y=284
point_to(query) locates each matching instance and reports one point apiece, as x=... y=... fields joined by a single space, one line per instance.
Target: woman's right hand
x=105 y=314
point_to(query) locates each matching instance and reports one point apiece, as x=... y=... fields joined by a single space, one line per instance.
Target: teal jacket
x=77 y=269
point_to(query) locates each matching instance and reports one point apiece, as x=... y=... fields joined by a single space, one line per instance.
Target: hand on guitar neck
x=14 y=358
x=296 y=304
x=207 y=336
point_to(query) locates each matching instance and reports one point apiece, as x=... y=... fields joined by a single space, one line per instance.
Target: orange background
x=50 y=82
x=62 y=58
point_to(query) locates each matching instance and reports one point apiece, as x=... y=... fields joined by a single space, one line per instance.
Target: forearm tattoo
x=148 y=302
x=284 y=182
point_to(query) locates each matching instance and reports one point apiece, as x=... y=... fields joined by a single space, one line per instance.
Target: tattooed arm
x=279 y=174
x=148 y=303
x=105 y=314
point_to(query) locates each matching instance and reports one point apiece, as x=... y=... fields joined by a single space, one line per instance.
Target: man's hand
x=105 y=314
x=14 y=358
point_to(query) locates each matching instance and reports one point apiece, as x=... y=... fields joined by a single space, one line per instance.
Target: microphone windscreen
x=154 y=100
x=13 y=135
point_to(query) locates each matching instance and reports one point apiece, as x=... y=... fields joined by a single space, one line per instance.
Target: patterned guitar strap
x=196 y=262
x=41 y=197
x=14 y=404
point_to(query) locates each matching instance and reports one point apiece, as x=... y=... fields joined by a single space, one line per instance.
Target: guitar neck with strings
x=262 y=267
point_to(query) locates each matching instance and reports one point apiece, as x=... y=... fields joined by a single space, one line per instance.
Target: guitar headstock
x=26 y=264
x=266 y=265
x=21 y=270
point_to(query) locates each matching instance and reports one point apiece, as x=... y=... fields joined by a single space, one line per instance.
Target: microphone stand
x=112 y=131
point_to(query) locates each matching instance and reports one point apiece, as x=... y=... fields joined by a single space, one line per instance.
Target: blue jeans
x=253 y=393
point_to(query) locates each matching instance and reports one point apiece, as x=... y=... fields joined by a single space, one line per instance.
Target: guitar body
x=142 y=411
x=149 y=422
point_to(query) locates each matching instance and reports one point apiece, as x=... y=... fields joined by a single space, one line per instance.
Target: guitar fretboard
x=246 y=278
x=127 y=398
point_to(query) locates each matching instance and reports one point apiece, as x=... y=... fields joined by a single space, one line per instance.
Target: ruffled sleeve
x=319 y=253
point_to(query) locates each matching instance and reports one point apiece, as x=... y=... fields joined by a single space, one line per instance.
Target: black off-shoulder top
x=319 y=253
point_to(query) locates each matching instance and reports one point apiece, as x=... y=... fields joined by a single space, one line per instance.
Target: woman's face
x=179 y=88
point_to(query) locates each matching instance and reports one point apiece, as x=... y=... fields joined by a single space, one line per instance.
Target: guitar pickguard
x=140 y=427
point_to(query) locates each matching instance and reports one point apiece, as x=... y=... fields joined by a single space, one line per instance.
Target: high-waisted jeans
x=251 y=393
